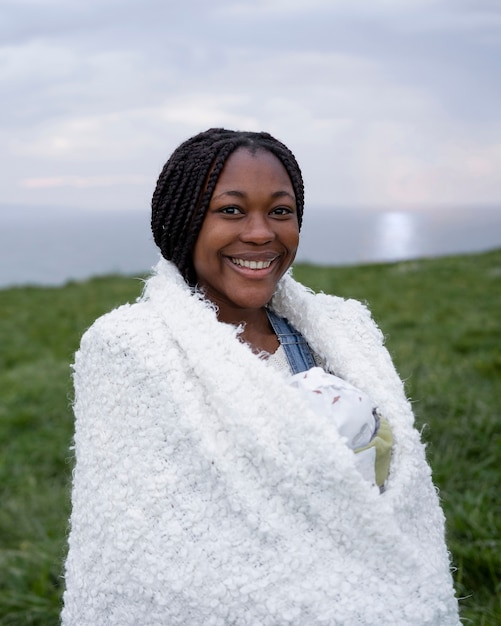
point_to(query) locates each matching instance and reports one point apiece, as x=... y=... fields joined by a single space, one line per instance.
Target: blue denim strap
x=297 y=351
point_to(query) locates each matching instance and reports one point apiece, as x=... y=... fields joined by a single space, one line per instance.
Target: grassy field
x=441 y=318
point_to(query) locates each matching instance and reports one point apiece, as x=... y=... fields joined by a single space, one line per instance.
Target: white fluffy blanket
x=206 y=492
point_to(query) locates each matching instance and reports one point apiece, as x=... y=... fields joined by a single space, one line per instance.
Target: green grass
x=441 y=318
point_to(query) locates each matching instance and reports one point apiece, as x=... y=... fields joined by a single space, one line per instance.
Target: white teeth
x=253 y=265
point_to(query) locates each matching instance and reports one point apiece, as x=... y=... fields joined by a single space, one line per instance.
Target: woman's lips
x=253 y=259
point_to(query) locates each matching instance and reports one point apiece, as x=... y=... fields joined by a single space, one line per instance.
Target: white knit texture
x=206 y=492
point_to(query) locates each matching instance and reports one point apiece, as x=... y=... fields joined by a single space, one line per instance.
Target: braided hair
x=187 y=181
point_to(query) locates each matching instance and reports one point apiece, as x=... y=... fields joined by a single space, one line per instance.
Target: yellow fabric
x=383 y=442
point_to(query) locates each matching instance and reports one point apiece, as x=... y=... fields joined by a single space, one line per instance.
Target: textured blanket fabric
x=206 y=492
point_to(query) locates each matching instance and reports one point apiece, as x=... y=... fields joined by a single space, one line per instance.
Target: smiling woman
x=245 y=452
x=247 y=242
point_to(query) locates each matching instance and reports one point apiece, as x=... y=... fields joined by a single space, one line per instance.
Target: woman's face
x=250 y=234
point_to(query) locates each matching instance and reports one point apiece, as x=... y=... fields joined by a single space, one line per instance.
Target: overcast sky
x=386 y=103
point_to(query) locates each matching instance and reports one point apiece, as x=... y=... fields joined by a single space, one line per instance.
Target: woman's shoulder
x=121 y=324
x=295 y=299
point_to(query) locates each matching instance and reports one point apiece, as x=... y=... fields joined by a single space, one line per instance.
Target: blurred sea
x=51 y=247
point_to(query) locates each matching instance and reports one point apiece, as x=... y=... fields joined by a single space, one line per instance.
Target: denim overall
x=297 y=351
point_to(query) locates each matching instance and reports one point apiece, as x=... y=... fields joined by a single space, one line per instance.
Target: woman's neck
x=257 y=330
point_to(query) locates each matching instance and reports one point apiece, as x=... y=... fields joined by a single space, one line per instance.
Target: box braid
x=186 y=184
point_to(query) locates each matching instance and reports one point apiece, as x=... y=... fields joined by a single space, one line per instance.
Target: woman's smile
x=253 y=265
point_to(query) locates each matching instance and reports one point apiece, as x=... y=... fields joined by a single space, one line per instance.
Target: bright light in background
x=396 y=236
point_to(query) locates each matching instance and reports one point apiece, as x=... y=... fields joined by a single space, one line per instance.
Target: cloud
x=80 y=182
x=344 y=7
x=434 y=172
x=388 y=102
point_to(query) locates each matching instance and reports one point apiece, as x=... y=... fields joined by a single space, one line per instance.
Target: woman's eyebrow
x=241 y=194
x=231 y=192
x=281 y=194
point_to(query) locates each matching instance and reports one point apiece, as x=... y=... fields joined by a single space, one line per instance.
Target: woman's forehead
x=247 y=167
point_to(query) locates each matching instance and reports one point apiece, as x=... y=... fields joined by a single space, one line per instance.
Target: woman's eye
x=230 y=210
x=282 y=210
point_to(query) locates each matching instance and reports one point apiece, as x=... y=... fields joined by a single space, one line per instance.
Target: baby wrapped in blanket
x=355 y=416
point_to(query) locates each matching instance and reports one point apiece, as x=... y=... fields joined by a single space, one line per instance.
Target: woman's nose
x=257 y=229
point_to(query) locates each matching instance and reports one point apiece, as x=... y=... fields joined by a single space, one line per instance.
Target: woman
x=207 y=488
